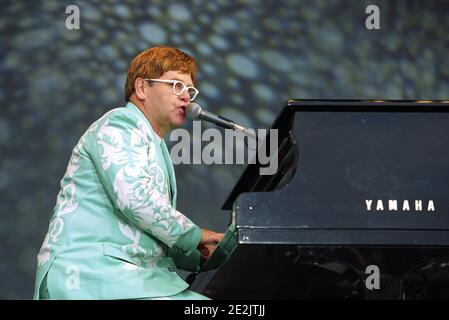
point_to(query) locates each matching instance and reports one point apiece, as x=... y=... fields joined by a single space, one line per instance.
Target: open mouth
x=183 y=108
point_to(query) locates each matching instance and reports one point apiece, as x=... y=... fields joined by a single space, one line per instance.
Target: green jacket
x=115 y=232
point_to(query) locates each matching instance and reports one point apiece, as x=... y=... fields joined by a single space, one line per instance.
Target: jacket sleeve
x=125 y=158
x=186 y=260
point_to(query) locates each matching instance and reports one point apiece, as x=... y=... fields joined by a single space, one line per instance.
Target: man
x=115 y=232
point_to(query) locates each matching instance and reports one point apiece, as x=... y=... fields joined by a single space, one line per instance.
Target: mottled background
x=252 y=56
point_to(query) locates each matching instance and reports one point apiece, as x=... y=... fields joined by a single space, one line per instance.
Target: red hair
x=154 y=62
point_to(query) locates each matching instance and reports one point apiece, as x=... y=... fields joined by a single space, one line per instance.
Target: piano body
x=360 y=185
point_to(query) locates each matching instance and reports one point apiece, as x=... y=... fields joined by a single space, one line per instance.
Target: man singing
x=115 y=232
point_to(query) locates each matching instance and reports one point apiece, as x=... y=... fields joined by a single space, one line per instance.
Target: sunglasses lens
x=178 y=87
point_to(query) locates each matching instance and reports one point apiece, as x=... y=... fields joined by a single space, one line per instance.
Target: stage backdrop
x=252 y=57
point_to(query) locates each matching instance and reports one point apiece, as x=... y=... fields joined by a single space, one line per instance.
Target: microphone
x=196 y=112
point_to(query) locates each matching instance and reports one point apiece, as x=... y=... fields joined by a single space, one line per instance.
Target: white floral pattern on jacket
x=66 y=201
x=140 y=183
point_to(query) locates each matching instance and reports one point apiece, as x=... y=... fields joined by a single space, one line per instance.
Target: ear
x=139 y=87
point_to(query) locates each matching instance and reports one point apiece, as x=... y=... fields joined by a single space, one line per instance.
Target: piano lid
x=359 y=166
x=285 y=120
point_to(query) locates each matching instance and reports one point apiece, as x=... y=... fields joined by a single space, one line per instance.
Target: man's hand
x=210 y=237
x=206 y=251
x=208 y=243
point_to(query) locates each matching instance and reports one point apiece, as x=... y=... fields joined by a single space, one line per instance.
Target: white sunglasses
x=179 y=87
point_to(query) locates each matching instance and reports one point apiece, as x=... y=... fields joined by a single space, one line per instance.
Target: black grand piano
x=358 y=208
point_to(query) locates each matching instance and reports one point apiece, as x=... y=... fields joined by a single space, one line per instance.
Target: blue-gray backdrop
x=252 y=55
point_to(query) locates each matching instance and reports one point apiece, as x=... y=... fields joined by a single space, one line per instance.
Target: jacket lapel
x=171 y=173
x=165 y=153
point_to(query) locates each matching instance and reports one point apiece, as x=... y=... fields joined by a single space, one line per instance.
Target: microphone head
x=193 y=110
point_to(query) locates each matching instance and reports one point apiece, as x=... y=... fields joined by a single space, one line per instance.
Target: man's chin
x=178 y=122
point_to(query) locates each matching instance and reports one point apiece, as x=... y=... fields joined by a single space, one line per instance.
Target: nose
x=185 y=96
